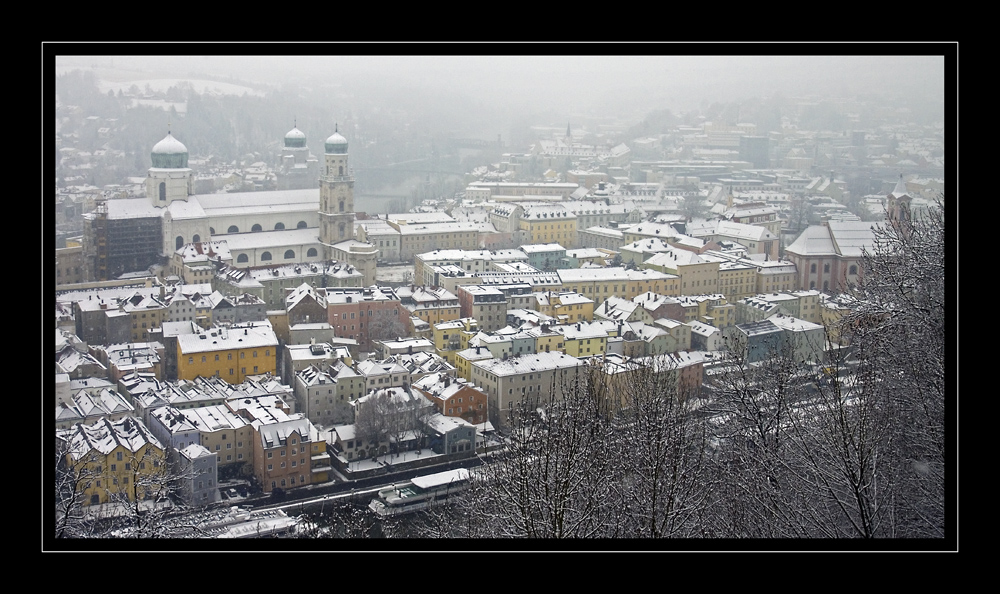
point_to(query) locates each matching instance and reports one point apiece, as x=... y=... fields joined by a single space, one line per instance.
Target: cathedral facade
x=260 y=228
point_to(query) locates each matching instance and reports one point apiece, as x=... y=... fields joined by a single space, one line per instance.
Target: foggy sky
x=572 y=82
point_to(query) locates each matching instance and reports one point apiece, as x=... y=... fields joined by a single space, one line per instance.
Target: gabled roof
x=304 y=290
x=815 y=240
x=850 y=237
x=106 y=436
x=743 y=231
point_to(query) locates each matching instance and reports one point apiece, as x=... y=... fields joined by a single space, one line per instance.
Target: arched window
x=256 y=227
x=301 y=225
x=163 y=191
x=196 y=238
x=854 y=269
x=179 y=241
x=341 y=170
x=289 y=254
x=265 y=256
x=211 y=230
x=311 y=253
x=812 y=285
x=826 y=285
x=341 y=206
x=279 y=226
x=812 y=268
x=341 y=228
x=242 y=259
x=233 y=229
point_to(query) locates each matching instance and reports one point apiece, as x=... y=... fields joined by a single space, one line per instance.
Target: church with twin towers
x=263 y=228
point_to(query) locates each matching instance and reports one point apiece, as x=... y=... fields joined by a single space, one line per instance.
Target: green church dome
x=336 y=144
x=170 y=153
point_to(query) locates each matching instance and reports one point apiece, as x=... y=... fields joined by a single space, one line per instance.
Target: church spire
x=900 y=189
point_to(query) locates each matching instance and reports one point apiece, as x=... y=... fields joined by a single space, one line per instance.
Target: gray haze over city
x=621 y=86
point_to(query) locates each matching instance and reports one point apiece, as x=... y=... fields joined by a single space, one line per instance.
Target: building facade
x=115 y=462
x=231 y=353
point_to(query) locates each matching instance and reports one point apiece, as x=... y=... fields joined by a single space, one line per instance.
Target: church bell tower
x=336 y=195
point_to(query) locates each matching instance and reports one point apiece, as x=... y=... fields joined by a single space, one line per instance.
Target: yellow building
x=419 y=238
x=596 y=283
x=465 y=358
x=230 y=353
x=565 y=306
x=808 y=306
x=698 y=274
x=651 y=281
x=115 y=461
x=833 y=311
x=776 y=275
x=737 y=280
x=583 y=339
x=453 y=336
x=770 y=275
x=430 y=304
x=146 y=312
x=548 y=223
x=546 y=339
x=711 y=309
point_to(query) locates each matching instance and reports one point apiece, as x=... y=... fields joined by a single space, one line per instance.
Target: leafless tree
x=72 y=520
x=619 y=458
x=144 y=497
x=900 y=329
x=841 y=455
x=385 y=326
x=664 y=481
x=750 y=427
x=801 y=213
x=694 y=207
x=856 y=451
x=551 y=480
x=141 y=497
x=371 y=419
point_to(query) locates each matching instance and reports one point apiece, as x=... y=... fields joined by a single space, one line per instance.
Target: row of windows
x=257 y=227
x=826 y=268
x=299 y=462
x=267 y=353
x=266 y=256
x=179 y=240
